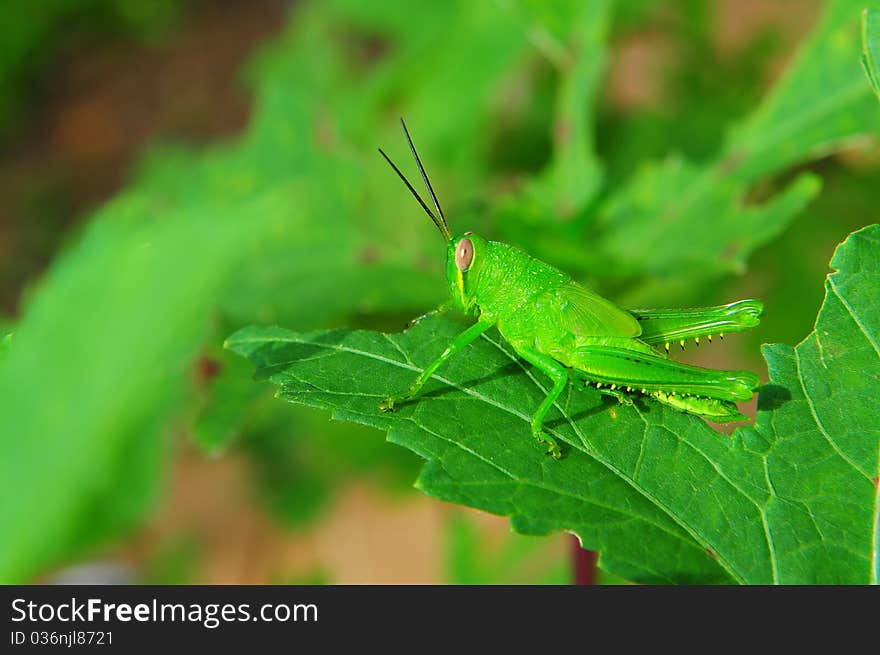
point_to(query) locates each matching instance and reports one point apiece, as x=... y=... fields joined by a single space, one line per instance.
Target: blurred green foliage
x=300 y=223
x=871 y=47
x=516 y=560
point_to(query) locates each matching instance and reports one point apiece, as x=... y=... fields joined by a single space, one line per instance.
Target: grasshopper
x=567 y=331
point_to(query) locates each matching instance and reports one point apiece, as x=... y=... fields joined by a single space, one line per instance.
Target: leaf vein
x=699 y=538
x=853 y=315
x=817 y=420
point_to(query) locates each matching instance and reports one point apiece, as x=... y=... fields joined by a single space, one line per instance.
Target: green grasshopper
x=566 y=330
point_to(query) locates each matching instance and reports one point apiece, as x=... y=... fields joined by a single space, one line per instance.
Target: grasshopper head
x=465 y=255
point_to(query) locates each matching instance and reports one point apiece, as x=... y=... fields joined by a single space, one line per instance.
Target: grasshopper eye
x=464 y=255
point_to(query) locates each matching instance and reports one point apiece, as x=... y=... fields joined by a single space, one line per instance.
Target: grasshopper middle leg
x=559 y=374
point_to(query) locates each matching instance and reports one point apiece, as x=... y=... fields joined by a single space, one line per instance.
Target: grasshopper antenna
x=425 y=177
x=444 y=230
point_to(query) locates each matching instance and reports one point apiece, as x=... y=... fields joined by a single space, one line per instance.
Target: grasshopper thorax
x=465 y=257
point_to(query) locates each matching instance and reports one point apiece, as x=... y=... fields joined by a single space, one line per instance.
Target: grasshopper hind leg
x=607 y=390
x=713 y=409
x=704 y=392
x=719 y=411
x=666 y=326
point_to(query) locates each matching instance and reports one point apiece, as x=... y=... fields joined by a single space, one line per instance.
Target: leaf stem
x=583 y=563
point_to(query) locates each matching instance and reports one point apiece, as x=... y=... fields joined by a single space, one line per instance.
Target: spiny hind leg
x=665 y=326
x=639 y=371
x=609 y=390
x=719 y=411
x=559 y=374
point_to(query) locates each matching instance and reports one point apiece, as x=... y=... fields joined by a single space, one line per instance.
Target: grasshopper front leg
x=457 y=344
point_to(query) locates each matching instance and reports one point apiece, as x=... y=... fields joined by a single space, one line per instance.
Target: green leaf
x=871 y=47
x=660 y=494
x=819 y=415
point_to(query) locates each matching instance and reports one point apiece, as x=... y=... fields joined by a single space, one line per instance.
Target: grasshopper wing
x=585 y=313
